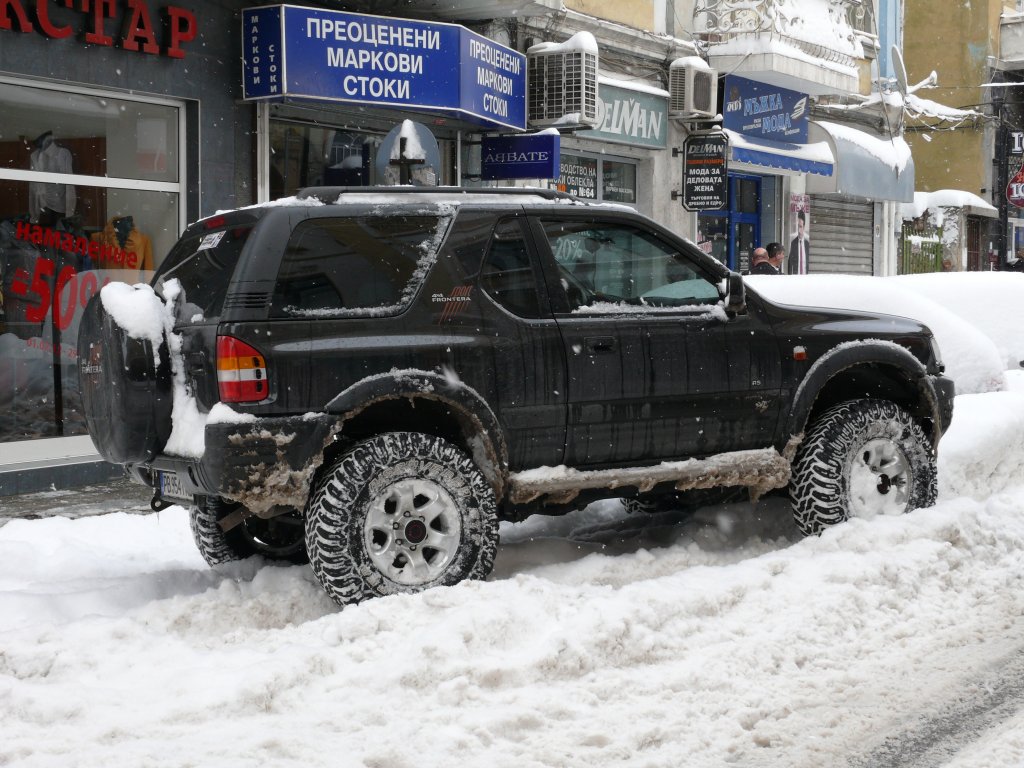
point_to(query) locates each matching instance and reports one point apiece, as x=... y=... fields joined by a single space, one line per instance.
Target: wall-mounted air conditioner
x=562 y=83
x=692 y=88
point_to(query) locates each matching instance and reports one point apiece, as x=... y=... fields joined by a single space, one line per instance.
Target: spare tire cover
x=127 y=397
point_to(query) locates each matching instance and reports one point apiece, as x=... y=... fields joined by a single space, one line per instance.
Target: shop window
x=619 y=180
x=594 y=178
x=89 y=193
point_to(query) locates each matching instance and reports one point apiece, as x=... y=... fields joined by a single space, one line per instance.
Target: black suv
x=404 y=368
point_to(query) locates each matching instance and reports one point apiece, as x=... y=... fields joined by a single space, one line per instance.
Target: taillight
x=241 y=372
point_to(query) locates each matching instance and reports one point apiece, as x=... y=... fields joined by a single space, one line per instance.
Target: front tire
x=861 y=458
x=279 y=538
x=400 y=512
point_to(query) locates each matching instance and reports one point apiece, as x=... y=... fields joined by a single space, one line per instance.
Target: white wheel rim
x=880 y=480
x=412 y=531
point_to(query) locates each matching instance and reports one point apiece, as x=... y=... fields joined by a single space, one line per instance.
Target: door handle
x=599 y=343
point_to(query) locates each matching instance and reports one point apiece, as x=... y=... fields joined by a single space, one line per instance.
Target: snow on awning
x=971 y=204
x=813 y=158
x=866 y=166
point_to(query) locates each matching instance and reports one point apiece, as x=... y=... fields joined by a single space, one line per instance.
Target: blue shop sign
x=520 y=157
x=310 y=53
x=765 y=111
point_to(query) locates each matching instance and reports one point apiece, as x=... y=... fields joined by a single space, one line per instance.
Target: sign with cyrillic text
x=325 y=55
x=520 y=157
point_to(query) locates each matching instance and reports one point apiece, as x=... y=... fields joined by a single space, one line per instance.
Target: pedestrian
x=776 y=257
x=760 y=264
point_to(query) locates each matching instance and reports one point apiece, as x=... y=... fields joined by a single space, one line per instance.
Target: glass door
x=731 y=236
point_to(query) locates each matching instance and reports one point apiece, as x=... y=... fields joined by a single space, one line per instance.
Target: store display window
x=89 y=194
x=593 y=178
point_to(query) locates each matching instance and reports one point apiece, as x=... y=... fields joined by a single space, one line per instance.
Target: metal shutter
x=842 y=236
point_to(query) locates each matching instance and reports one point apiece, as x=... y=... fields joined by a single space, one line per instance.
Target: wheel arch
x=428 y=402
x=881 y=370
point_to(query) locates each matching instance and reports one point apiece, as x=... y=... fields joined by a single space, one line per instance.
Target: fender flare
x=484 y=435
x=850 y=355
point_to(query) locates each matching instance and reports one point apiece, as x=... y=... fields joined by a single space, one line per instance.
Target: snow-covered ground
x=723 y=640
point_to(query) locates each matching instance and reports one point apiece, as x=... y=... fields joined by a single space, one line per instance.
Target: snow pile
x=983 y=300
x=600 y=639
x=972 y=359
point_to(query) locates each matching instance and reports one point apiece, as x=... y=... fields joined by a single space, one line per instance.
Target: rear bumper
x=262 y=463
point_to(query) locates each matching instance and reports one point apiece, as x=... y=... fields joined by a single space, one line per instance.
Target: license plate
x=170 y=485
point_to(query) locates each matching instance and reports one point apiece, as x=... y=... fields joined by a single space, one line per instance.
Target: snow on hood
x=972 y=359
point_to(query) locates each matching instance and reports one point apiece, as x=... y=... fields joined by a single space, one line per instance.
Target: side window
x=507 y=275
x=354 y=266
x=617 y=263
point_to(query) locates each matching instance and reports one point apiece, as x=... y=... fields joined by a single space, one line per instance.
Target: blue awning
x=801 y=158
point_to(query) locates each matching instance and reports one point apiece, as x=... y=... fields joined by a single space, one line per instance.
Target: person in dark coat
x=776 y=257
x=761 y=265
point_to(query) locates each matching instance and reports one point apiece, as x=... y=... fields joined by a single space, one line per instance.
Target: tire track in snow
x=980 y=706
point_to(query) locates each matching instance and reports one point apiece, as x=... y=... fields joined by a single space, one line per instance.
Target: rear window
x=356 y=266
x=203 y=264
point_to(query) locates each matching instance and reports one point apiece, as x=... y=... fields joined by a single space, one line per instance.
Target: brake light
x=241 y=372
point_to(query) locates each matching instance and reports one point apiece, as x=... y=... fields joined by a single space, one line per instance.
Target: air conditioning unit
x=692 y=88
x=562 y=83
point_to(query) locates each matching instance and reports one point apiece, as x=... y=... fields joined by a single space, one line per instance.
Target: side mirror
x=735 y=294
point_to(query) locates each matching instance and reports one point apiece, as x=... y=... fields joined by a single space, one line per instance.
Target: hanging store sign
x=765 y=111
x=1015 y=168
x=311 y=53
x=138 y=25
x=628 y=116
x=705 y=172
x=520 y=157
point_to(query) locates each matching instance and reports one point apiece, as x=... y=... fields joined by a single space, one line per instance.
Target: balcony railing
x=825 y=29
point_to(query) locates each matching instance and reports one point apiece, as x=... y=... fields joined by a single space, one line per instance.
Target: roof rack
x=330 y=194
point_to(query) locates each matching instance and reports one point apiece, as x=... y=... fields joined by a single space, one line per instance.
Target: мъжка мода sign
x=335 y=56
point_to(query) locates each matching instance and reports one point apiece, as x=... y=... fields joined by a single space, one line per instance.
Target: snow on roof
x=753 y=44
x=633 y=85
x=942 y=198
x=581 y=41
x=894 y=152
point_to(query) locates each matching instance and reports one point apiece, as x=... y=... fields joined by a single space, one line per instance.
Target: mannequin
x=49 y=203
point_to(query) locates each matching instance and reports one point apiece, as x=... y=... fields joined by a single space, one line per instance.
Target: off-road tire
x=280 y=539
x=360 y=520
x=872 y=440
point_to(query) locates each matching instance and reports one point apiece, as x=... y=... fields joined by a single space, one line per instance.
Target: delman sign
x=705 y=172
x=335 y=56
x=765 y=111
x=520 y=157
x=629 y=116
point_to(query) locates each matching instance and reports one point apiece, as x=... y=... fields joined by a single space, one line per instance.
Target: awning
x=866 y=166
x=781 y=155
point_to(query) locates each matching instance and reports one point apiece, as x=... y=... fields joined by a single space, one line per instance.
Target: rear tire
x=279 y=538
x=401 y=512
x=861 y=458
